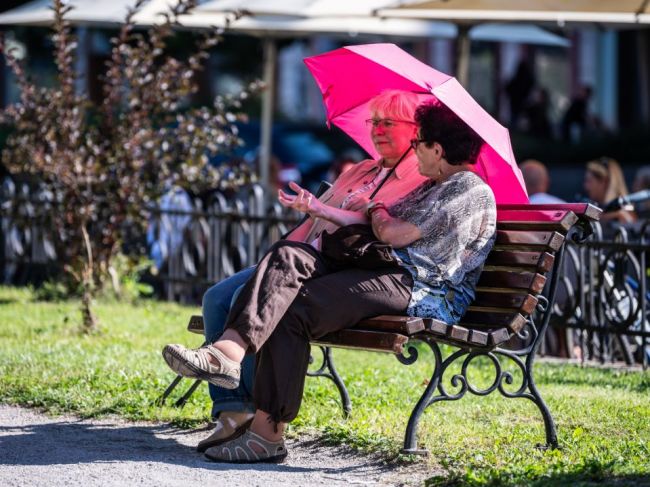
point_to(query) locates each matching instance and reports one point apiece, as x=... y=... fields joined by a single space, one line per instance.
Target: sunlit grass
x=603 y=416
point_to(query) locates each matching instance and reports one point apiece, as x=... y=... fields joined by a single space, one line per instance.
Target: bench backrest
x=515 y=273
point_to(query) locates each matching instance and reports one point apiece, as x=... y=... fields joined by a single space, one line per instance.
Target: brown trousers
x=293 y=297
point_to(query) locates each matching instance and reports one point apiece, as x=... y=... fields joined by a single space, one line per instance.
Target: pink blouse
x=404 y=179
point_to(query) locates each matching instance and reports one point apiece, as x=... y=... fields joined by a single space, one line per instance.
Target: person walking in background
x=537 y=110
x=537 y=183
x=518 y=90
x=604 y=182
x=576 y=118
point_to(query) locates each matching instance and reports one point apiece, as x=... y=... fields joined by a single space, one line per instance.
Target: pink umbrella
x=351 y=76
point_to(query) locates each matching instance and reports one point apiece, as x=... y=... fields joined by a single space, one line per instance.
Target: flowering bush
x=105 y=164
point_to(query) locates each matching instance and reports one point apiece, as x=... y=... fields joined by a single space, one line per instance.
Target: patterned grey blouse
x=457 y=219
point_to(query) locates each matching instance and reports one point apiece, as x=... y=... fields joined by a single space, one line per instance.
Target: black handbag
x=356 y=246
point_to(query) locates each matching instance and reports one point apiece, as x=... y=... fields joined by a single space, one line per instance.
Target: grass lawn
x=603 y=416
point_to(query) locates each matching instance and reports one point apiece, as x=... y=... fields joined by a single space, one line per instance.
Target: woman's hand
x=303 y=201
x=306 y=202
x=358 y=203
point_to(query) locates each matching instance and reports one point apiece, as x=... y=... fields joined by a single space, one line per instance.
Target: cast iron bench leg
x=328 y=370
x=161 y=400
x=183 y=399
x=427 y=399
x=549 y=423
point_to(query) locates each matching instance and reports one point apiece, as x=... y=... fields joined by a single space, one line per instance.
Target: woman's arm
x=393 y=231
x=306 y=202
x=299 y=234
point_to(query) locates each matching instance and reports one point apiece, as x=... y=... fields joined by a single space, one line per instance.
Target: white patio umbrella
x=85 y=12
x=466 y=13
x=519 y=33
x=556 y=11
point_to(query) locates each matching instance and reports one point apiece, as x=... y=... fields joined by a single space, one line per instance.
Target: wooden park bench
x=505 y=323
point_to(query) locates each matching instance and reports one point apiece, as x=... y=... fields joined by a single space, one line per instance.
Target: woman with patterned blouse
x=441 y=233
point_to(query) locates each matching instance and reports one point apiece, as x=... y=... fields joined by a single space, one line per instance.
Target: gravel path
x=36 y=449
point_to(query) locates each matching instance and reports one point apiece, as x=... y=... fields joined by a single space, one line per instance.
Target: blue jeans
x=216 y=305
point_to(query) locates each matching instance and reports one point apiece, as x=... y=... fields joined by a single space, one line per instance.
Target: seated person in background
x=537 y=183
x=442 y=233
x=604 y=182
x=343 y=163
x=392 y=127
x=642 y=182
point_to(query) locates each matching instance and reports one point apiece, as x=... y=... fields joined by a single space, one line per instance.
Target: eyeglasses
x=415 y=143
x=386 y=123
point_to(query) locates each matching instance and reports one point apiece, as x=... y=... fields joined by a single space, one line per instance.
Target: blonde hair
x=396 y=104
x=610 y=170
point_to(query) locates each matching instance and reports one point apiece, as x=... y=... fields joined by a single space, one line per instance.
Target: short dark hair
x=439 y=124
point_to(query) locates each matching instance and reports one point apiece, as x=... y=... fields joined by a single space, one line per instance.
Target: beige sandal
x=226 y=429
x=195 y=363
x=241 y=451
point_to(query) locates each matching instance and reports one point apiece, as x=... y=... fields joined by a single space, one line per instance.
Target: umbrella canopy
x=351 y=76
x=557 y=11
x=85 y=12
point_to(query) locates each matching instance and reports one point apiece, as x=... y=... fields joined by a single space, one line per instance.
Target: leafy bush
x=104 y=164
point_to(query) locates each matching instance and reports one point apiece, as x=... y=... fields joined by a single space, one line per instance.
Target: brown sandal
x=241 y=451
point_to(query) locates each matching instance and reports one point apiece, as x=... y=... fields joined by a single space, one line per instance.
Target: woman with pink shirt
x=392 y=127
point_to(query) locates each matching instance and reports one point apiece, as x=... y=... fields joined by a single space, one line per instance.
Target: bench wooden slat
x=406 y=325
x=511 y=279
x=499 y=336
x=480 y=338
x=513 y=321
x=490 y=336
x=196 y=324
x=541 y=260
x=524 y=302
x=548 y=219
x=459 y=333
x=549 y=239
x=376 y=341
x=582 y=210
x=559 y=226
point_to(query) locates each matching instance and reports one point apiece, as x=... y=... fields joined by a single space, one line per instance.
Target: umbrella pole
x=266 y=130
x=462 y=55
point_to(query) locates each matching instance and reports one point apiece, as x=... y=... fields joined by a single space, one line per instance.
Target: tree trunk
x=89 y=323
x=89 y=320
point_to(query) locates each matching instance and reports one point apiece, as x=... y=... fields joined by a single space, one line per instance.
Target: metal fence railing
x=601 y=314
x=603 y=299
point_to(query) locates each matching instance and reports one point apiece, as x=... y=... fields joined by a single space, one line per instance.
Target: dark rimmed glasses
x=415 y=143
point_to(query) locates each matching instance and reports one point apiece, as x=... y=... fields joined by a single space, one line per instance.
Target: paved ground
x=36 y=449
